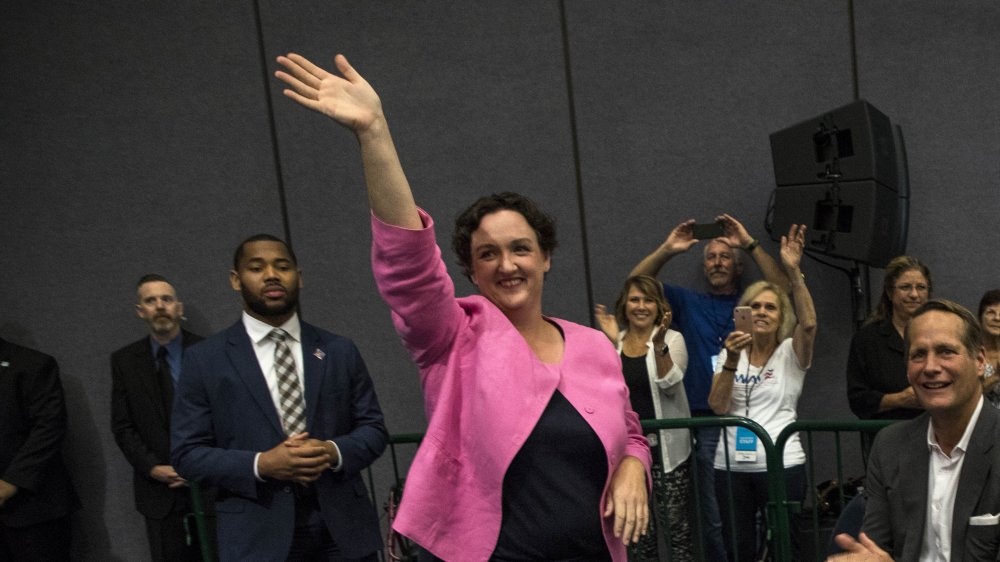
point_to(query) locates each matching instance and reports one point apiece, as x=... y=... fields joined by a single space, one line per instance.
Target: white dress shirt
x=264 y=346
x=942 y=485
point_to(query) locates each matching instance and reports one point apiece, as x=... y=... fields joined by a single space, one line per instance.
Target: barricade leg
x=713 y=547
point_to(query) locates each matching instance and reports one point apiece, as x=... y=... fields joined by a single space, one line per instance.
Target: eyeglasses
x=920 y=288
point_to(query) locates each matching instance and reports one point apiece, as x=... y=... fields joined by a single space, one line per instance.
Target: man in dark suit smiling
x=933 y=485
x=282 y=417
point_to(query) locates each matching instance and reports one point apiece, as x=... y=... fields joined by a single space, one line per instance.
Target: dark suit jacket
x=140 y=421
x=32 y=428
x=896 y=490
x=223 y=415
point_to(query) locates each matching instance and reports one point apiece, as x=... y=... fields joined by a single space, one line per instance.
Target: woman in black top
x=876 y=369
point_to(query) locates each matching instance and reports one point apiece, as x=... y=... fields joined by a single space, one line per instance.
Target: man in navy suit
x=281 y=417
x=933 y=485
x=143 y=376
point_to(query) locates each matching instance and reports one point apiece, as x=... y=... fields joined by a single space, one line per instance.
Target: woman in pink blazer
x=532 y=451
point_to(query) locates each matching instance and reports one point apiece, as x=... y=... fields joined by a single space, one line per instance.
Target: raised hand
x=681 y=238
x=661 y=335
x=607 y=322
x=350 y=99
x=734 y=233
x=792 y=246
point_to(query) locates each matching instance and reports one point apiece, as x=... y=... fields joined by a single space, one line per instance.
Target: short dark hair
x=150 y=278
x=238 y=255
x=468 y=221
x=972 y=335
x=989 y=299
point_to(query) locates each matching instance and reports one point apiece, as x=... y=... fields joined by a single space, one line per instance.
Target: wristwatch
x=663 y=351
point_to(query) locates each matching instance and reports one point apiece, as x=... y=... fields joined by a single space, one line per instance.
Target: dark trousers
x=169 y=537
x=743 y=512
x=48 y=541
x=312 y=541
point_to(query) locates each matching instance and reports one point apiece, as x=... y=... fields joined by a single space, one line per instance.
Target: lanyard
x=750 y=387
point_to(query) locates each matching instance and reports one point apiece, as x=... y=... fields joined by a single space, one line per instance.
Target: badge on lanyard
x=746 y=445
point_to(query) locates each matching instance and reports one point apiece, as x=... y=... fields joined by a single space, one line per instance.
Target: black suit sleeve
x=41 y=395
x=877 y=520
x=131 y=443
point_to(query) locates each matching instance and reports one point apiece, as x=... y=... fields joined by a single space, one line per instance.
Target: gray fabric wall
x=137 y=137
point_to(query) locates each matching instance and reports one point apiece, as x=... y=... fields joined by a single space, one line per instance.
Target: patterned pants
x=672 y=512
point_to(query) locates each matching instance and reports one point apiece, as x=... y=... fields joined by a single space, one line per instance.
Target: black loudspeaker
x=844 y=175
x=856 y=220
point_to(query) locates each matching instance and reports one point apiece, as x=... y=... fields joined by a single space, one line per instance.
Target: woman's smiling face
x=508 y=265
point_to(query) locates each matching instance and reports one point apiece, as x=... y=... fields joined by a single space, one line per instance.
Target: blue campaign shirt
x=705 y=320
x=175 y=349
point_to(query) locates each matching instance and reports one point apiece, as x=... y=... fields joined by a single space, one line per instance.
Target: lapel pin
x=4 y=363
x=319 y=354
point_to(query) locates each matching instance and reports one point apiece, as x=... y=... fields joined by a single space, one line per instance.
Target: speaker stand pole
x=860 y=295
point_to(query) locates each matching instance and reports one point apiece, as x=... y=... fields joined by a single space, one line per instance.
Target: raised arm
x=350 y=100
x=792 y=246
x=607 y=322
x=662 y=353
x=736 y=236
x=680 y=240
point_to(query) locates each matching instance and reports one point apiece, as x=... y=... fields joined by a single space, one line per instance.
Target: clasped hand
x=166 y=474
x=299 y=458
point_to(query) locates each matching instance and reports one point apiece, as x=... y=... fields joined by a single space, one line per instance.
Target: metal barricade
x=201 y=526
x=780 y=513
x=811 y=526
x=776 y=519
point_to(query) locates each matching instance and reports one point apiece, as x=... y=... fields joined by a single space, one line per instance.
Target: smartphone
x=708 y=231
x=742 y=319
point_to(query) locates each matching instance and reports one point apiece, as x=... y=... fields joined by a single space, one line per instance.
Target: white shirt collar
x=258 y=330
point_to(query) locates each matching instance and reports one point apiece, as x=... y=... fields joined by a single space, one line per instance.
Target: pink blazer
x=484 y=391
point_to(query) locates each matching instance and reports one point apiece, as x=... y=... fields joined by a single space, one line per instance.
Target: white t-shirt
x=774 y=391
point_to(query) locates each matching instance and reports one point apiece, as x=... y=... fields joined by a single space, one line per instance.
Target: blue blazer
x=223 y=415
